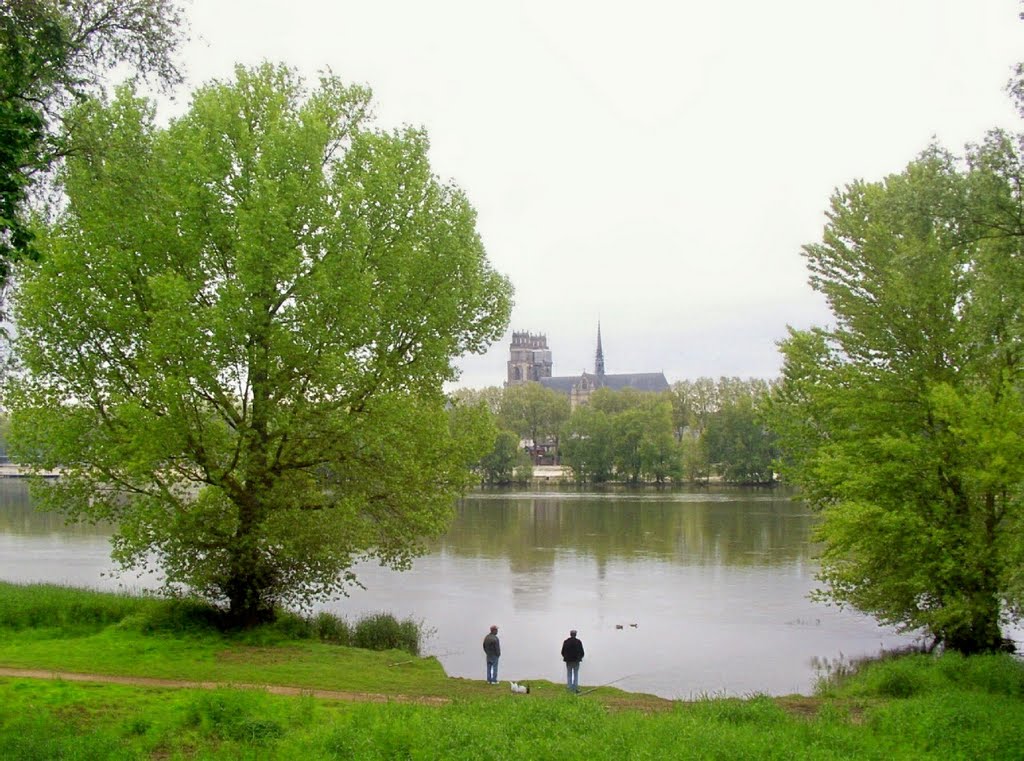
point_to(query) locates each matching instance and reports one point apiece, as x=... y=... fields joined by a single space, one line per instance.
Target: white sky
x=656 y=165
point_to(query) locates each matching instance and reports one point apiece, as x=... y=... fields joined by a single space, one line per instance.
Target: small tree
x=237 y=339
x=506 y=463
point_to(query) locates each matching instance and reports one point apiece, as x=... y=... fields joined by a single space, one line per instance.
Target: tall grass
x=43 y=606
x=66 y=610
x=922 y=674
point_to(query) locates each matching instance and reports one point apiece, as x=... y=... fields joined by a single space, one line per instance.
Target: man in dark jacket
x=572 y=654
x=492 y=649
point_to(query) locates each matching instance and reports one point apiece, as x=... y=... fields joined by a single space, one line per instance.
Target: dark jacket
x=492 y=646
x=572 y=650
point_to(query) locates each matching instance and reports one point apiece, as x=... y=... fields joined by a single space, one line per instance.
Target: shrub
x=382 y=631
x=331 y=628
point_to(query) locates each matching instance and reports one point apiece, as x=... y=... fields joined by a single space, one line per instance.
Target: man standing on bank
x=492 y=649
x=572 y=654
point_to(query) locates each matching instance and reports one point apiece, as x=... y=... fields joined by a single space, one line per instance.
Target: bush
x=382 y=631
x=183 y=615
x=331 y=628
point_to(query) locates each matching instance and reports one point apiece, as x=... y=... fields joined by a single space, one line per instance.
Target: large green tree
x=903 y=421
x=52 y=54
x=236 y=340
x=587 y=444
x=739 y=445
x=533 y=411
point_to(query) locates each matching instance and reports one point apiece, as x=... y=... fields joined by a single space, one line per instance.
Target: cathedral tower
x=529 y=358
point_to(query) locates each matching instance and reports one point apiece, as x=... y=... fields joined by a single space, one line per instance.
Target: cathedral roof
x=562 y=383
x=616 y=382
x=639 y=381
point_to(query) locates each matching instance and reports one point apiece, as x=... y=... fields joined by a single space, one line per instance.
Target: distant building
x=530 y=360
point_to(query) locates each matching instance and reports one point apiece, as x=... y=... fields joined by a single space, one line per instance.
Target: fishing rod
x=606 y=684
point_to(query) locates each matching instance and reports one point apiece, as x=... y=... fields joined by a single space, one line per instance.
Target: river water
x=680 y=594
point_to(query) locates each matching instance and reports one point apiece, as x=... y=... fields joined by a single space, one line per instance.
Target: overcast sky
x=654 y=165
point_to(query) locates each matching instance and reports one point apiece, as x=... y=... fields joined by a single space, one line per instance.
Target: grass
x=913 y=707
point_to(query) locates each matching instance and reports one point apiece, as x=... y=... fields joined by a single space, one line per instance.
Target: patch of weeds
x=240 y=715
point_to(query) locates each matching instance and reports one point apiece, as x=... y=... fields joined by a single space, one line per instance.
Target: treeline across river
x=698 y=431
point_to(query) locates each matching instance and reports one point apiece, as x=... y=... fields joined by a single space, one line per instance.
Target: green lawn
x=915 y=707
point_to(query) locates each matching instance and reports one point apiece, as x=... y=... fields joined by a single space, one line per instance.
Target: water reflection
x=716 y=583
x=675 y=527
x=19 y=518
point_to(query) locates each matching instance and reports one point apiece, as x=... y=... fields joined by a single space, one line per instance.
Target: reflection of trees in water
x=19 y=517
x=531 y=531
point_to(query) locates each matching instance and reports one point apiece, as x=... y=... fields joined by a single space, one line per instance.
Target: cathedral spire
x=599 y=356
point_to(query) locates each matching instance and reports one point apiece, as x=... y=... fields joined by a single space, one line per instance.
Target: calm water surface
x=709 y=588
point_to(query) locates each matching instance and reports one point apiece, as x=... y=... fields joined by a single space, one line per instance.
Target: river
x=676 y=593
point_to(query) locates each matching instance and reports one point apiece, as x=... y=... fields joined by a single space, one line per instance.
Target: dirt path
x=274 y=689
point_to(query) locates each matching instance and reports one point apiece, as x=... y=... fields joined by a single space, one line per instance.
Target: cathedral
x=530 y=360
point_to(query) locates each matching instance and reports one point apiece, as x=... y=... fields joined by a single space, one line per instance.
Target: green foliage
x=921 y=674
x=533 y=411
x=233 y=715
x=506 y=463
x=66 y=611
x=382 y=631
x=635 y=437
x=903 y=424
x=238 y=336
x=51 y=606
x=625 y=434
x=490 y=397
x=331 y=628
x=587 y=444
x=721 y=430
x=739 y=445
x=52 y=54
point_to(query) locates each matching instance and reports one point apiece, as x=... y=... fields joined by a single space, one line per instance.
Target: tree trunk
x=981 y=633
x=247 y=605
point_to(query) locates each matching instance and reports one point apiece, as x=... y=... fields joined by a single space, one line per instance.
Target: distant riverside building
x=530 y=360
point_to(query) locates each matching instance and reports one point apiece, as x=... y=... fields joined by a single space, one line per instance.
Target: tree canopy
x=533 y=411
x=902 y=423
x=52 y=54
x=236 y=340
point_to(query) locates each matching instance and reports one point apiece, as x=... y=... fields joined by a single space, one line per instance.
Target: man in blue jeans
x=572 y=654
x=492 y=649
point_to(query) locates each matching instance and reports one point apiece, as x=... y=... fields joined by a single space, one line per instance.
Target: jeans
x=492 y=669
x=572 y=676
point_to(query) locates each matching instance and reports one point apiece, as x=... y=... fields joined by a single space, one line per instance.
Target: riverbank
x=143 y=682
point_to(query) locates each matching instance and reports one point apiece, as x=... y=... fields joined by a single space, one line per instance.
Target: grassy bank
x=917 y=707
